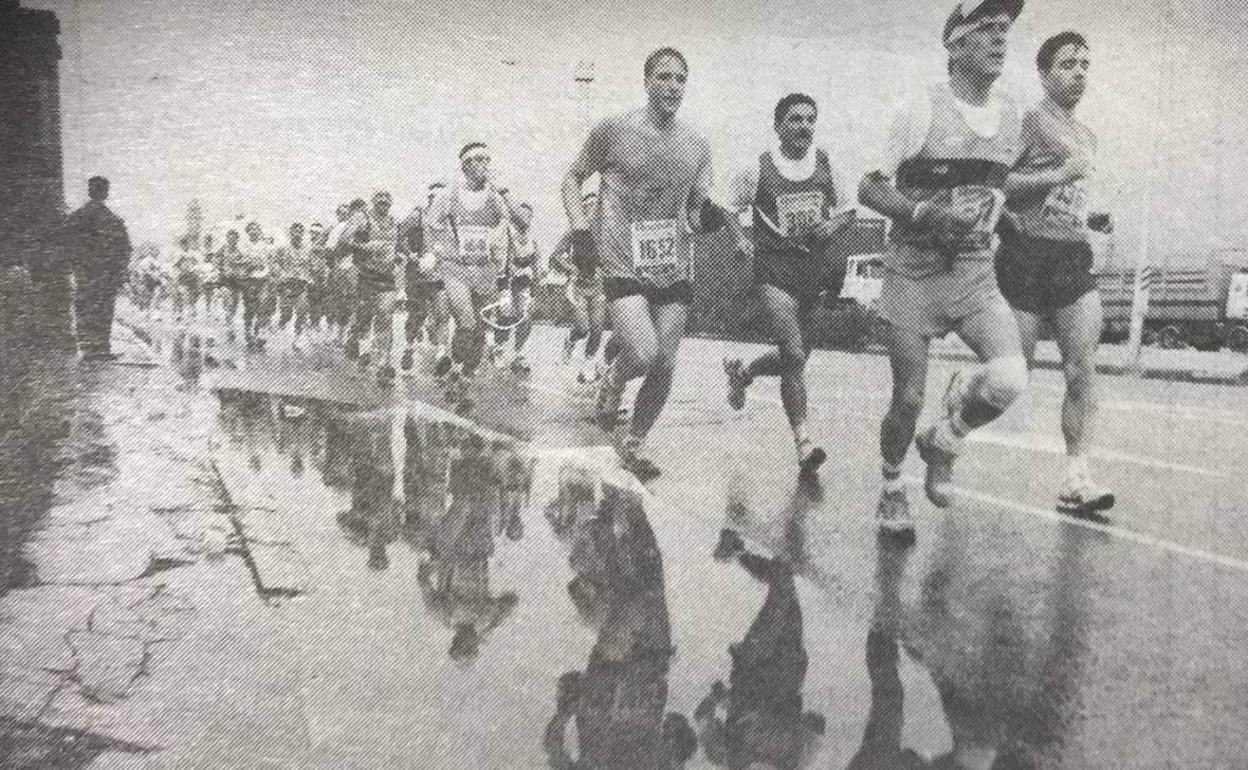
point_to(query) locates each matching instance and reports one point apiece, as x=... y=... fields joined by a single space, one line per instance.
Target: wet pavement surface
x=297 y=569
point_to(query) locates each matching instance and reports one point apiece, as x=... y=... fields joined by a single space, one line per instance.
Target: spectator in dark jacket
x=99 y=250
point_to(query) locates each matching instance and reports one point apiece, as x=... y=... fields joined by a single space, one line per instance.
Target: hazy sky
x=283 y=109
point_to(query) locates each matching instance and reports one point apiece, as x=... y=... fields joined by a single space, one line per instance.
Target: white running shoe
x=892 y=514
x=939 y=477
x=1081 y=497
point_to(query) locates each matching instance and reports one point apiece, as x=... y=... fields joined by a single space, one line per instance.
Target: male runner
x=942 y=186
x=656 y=178
x=585 y=298
x=292 y=278
x=257 y=293
x=793 y=196
x=343 y=274
x=426 y=298
x=187 y=265
x=516 y=288
x=1044 y=266
x=465 y=228
x=318 y=268
x=374 y=238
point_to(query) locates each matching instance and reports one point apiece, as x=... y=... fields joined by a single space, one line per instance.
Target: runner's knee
x=792 y=358
x=1004 y=380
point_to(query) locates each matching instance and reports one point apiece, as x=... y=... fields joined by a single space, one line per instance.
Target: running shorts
x=679 y=293
x=480 y=279
x=804 y=279
x=935 y=305
x=1040 y=275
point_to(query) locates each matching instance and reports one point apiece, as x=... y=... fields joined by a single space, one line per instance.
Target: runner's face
x=797 y=128
x=381 y=206
x=982 y=51
x=477 y=169
x=665 y=85
x=1067 y=76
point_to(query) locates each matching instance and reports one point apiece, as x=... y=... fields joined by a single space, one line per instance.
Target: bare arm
x=877 y=191
x=588 y=162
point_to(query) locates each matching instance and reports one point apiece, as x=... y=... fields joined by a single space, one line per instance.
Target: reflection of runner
x=942 y=186
x=1044 y=267
x=618 y=701
x=655 y=173
x=455 y=581
x=764 y=724
x=793 y=196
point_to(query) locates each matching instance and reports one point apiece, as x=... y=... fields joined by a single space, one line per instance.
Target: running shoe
x=892 y=514
x=939 y=475
x=498 y=357
x=737 y=383
x=589 y=373
x=1082 y=497
x=610 y=394
x=628 y=448
x=810 y=458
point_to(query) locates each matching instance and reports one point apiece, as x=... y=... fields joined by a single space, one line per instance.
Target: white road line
x=1034 y=442
x=1109 y=529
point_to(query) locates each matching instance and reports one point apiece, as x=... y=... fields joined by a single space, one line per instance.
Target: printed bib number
x=799 y=212
x=987 y=204
x=1067 y=205
x=474 y=244
x=654 y=244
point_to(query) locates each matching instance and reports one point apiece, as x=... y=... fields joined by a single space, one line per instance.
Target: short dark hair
x=653 y=59
x=792 y=100
x=1049 y=48
x=357 y=204
x=525 y=206
x=470 y=147
x=96 y=186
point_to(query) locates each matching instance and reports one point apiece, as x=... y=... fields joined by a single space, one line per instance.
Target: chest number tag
x=474 y=244
x=986 y=203
x=799 y=212
x=654 y=244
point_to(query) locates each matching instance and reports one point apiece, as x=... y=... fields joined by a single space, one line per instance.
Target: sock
x=892 y=477
x=1077 y=468
x=800 y=439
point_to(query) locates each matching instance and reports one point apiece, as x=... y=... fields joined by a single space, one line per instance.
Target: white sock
x=1077 y=468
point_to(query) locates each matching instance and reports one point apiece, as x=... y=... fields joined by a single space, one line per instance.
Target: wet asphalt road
x=489 y=591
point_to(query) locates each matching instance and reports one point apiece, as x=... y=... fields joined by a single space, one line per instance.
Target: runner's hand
x=825 y=230
x=584 y=253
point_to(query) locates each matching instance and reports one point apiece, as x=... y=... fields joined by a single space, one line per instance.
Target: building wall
x=32 y=193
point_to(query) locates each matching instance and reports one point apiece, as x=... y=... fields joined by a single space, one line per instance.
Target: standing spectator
x=99 y=249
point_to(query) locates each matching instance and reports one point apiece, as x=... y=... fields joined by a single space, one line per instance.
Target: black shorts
x=1038 y=275
x=679 y=293
x=801 y=277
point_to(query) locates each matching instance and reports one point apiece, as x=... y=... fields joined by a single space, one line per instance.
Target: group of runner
x=989 y=239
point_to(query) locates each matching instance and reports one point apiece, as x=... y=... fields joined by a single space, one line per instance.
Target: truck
x=1202 y=307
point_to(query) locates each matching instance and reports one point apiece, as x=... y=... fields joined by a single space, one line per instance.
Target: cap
x=968 y=14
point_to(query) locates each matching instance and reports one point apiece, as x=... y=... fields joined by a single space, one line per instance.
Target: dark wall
x=32 y=190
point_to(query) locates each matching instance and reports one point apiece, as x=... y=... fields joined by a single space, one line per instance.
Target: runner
x=232 y=266
x=187 y=265
x=1044 y=266
x=343 y=275
x=793 y=196
x=656 y=177
x=257 y=291
x=374 y=238
x=942 y=186
x=292 y=278
x=318 y=266
x=465 y=227
x=516 y=290
x=585 y=298
x=427 y=311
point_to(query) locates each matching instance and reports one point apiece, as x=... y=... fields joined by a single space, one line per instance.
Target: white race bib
x=1067 y=205
x=474 y=244
x=798 y=212
x=987 y=203
x=654 y=244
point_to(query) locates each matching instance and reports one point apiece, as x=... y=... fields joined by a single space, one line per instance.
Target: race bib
x=798 y=212
x=1067 y=205
x=654 y=244
x=987 y=204
x=474 y=244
